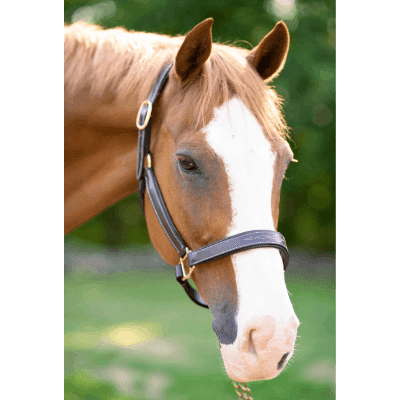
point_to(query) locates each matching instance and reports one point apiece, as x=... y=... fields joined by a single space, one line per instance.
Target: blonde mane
x=117 y=64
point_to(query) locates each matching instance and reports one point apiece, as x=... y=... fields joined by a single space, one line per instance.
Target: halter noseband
x=222 y=248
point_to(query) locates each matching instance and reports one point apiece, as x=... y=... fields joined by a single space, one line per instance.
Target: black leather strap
x=191 y=292
x=240 y=242
x=144 y=134
x=163 y=216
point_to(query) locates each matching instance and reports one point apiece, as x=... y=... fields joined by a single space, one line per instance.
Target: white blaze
x=236 y=136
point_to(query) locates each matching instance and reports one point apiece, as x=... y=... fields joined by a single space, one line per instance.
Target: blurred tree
x=307 y=84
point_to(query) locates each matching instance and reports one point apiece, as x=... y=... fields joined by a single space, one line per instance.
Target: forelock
x=225 y=75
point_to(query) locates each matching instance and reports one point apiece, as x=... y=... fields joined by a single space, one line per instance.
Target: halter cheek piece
x=147 y=179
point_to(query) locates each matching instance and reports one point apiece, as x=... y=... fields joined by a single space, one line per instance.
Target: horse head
x=219 y=154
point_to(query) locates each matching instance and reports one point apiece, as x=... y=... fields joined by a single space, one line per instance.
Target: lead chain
x=239 y=387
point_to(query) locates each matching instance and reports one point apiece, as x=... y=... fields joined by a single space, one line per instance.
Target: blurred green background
x=131 y=333
x=307 y=84
x=136 y=335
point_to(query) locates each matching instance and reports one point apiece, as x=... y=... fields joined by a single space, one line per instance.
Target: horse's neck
x=100 y=148
x=99 y=170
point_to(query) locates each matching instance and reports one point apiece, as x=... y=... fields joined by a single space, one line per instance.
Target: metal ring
x=186 y=276
x=149 y=104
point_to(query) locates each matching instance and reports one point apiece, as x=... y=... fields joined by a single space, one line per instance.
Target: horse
x=219 y=152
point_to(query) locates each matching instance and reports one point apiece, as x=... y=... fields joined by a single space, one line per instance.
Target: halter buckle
x=191 y=269
x=149 y=105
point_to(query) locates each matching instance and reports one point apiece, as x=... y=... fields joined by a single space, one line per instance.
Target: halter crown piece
x=147 y=179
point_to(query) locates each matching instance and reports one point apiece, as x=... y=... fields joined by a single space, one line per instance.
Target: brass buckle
x=191 y=269
x=149 y=162
x=149 y=104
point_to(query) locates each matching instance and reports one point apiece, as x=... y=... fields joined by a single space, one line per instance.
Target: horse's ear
x=269 y=57
x=194 y=51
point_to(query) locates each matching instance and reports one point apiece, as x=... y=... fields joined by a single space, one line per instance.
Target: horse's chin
x=244 y=368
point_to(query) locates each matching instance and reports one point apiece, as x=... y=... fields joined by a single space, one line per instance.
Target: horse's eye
x=187 y=163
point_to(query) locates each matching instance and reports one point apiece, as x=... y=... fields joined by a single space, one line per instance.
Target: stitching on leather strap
x=232 y=250
x=241 y=234
x=229 y=239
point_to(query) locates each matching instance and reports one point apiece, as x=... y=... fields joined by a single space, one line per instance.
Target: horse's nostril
x=280 y=363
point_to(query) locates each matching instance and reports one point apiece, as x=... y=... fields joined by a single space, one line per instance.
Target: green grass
x=136 y=335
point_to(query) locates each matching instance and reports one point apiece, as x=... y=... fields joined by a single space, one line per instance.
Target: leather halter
x=147 y=179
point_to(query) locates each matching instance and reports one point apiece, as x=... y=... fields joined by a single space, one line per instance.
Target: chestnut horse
x=219 y=152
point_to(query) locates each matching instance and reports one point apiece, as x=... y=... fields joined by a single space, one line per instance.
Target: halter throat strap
x=147 y=179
